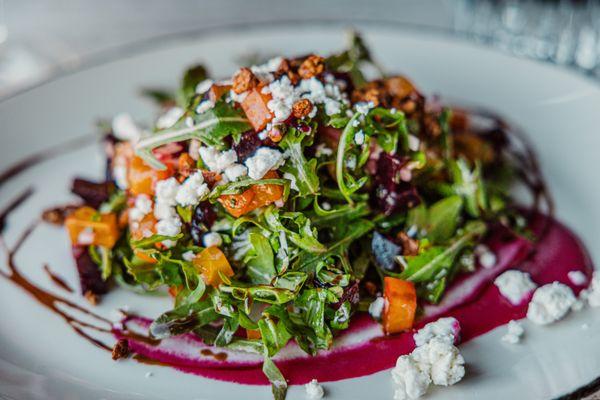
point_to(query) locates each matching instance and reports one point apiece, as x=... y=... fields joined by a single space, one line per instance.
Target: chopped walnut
x=313 y=65
x=410 y=246
x=302 y=108
x=244 y=80
x=121 y=349
x=92 y=297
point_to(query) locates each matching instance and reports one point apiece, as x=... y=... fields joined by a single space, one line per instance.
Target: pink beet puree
x=474 y=301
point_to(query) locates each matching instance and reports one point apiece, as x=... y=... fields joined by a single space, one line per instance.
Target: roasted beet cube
x=92 y=193
x=90 y=276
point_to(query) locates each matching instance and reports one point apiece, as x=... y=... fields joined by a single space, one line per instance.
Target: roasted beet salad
x=281 y=203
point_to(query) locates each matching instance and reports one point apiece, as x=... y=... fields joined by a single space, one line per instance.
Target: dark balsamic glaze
x=60 y=282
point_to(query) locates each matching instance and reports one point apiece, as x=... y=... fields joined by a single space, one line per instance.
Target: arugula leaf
x=350 y=60
x=191 y=78
x=278 y=382
x=210 y=127
x=311 y=305
x=434 y=262
x=259 y=261
x=443 y=218
x=341 y=317
x=304 y=236
x=274 y=335
x=183 y=319
x=304 y=172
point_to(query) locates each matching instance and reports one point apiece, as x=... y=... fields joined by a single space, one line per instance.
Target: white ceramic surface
x=41 y=358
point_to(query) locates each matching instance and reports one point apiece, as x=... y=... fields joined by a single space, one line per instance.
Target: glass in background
x=565 y=32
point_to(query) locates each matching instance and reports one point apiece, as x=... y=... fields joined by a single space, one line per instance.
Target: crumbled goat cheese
x=264 y=72
x=166 y=191
x=577 y=278
x=411 y=381
x=363 y=107
x=284 y=94
x=359 y=138
x=238 y=97
x=323 y=150
x=444 y=329
x=192 y=190
x=169 y=118
x=124 y=128
x=204 y=106
x=119 y=172
x=515 y=286
x=314 y=391
x=212 y=239
x=189 y=122
x=188 y=256
x=515 y=332
x=441 y=360
x=217 y=161
x=169 y=226
x=148 y=375
x=292 y=180
x=593 y=292
x=376 y=307
x=263 y=160
x=86 y=237
x=326 y=206
x=204 y=86
x=235 y=171
x=486 y=258
x=142 y=207
x=164 y=211
x=413 y=143
x=550 y=303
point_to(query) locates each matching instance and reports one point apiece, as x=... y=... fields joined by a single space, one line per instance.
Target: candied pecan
x=244 y=80
x=275 y=134
x=92 y=297
x=313 y=65
x=285 y=68
x=432 y=125
x=302 y=108
x=410 y=246
x=372 y=91
x=56 y=216
x=121 y=349
x=185 y=164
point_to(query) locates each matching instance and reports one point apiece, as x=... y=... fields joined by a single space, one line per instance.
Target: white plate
x=41 y=358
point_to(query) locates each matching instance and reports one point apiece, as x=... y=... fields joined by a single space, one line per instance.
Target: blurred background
x=40 y=39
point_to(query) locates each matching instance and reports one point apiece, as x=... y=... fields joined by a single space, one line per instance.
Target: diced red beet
x=92 y=193
x=391 y=194
x=90 y=277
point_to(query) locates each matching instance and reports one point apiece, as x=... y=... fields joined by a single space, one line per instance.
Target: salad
x=278 y=204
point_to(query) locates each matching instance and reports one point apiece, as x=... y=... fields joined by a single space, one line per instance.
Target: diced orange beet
x=211 y=262
x=103 y=228
x=267 y=194
x=185 y=164
x=139 y=229
x=253 y=334
x=400 y=305
x=142 y=177
x=255 y=107
x=237 y=204
x=144 y=257
x=217 y=91
x=254 y=197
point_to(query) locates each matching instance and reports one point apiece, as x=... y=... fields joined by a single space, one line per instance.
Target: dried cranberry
x=351 y=294
x=92 y=193
x=248 y=144
x=90 y=276
x=391 y=194
x=204 y=217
